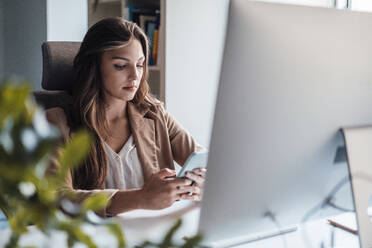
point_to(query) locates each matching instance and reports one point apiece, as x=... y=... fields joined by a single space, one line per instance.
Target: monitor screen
x=291 y=77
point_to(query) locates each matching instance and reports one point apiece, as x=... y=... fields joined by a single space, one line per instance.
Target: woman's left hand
x=198 y=176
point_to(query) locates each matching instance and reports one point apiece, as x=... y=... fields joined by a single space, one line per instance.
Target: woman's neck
x=116 y=109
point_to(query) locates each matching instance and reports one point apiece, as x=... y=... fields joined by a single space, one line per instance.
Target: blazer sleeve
x=57 y=117
x=182 y=143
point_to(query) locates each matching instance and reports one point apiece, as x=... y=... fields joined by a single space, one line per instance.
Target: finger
x=189 y=189
x=200 y=171
x=177 y=182
x=163 y=173
x=177 y=197
x=193 y=197
x=198 y=179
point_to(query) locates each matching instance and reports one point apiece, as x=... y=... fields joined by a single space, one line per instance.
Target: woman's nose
x=133 y=73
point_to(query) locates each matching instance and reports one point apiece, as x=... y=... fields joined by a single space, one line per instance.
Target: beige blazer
x=159 y=138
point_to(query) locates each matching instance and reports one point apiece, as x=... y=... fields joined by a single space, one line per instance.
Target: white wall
x=103 y=10
x=362 y=5
x=24 y=31
x=195 y=32
x=1 y=39
x=67 y=20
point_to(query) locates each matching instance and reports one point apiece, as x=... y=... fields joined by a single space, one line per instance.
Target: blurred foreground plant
x=29 y=194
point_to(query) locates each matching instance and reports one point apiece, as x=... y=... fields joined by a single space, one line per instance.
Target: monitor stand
x=358 y=142
x=249 y=238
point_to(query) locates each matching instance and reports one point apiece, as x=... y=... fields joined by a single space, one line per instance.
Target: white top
x=124 y=170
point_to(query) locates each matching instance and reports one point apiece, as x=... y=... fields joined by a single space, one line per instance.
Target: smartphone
x=197 y=159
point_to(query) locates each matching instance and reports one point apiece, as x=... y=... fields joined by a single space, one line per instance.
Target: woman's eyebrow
x=123 y=58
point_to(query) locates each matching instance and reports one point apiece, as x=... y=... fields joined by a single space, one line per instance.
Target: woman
x=136 y=140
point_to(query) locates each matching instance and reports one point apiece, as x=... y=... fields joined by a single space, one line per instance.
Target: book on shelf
x=155 y=41
x=147 y=16
x=144 y=19
x=137 y=9
x=155 y=44
x=150 y=36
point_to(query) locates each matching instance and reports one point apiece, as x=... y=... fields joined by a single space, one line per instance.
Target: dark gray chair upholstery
x=57 y=78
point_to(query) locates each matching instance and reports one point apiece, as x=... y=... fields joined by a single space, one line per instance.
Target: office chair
x=57 y=77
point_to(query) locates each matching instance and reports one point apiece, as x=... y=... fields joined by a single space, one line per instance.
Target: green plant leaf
x=167 y=241
x=76 y=234
x=192 y=242
x=15 y=102
x=19 y=221
x=71 y=241
x=13 y=240
x=84 y=238
x=115 y=229
x=4 y=206
x=75 y=150
x=146 y=244
x=95 y=202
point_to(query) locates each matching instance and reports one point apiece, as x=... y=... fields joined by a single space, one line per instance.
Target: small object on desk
x=345 y=228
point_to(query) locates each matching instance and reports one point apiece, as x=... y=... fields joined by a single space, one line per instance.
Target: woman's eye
x=141 y=66
x=120 y=67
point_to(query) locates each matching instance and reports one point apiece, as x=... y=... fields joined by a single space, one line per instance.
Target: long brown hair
x=88 y=109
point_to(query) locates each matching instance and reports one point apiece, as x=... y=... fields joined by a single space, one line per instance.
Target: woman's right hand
x=163 y=189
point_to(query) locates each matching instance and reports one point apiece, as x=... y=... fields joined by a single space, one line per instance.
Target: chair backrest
x=57 y=78
x=58 y=59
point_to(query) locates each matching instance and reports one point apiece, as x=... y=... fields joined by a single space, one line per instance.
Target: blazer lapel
x=143 y=130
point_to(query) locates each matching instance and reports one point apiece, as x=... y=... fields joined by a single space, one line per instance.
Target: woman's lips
x=130 y=88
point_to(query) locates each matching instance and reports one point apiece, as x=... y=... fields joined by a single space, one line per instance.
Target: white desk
x=152 y=225
x=143 y=225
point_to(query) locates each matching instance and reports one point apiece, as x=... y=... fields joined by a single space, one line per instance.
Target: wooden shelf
x=154 y=68
x=109 y=1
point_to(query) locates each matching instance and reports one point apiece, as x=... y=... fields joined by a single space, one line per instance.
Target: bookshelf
x=148 y=14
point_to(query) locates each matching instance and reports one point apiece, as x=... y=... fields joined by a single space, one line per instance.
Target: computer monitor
x=291 y=77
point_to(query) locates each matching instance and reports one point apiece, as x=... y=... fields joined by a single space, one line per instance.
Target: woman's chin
x=128 y=97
